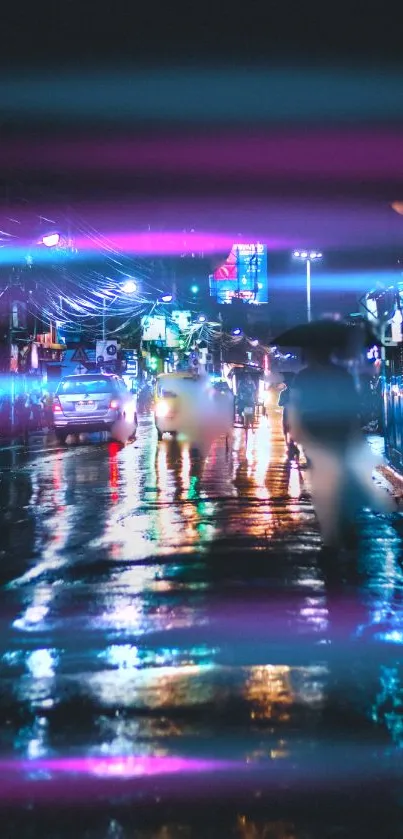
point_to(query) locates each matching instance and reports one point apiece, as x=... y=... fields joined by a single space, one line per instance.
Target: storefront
x=392 y=381
x=384 y=310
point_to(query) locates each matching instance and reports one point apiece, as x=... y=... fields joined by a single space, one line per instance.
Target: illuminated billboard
x=166 y=332
x=182 y=319
x=243 y=275
x=154 y=328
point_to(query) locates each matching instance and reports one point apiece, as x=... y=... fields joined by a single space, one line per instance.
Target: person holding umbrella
x=324 y=419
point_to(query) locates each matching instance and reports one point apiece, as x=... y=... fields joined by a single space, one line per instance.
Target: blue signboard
x=131 y=362
x=243 y=275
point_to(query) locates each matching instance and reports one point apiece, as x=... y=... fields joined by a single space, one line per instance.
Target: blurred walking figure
x=324 y=418
x=36 y=410
x=284 y=403
x=47 y=403
x=225 y=410
x=22 y=413
x=247 y=400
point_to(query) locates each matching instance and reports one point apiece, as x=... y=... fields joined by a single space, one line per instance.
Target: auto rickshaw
x=167 y=402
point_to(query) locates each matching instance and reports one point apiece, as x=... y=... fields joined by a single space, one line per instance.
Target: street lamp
x=166 y=298
x=128 y=287
x=308 y=257
x=51 y=240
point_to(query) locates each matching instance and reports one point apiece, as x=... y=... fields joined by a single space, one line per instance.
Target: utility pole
x=255 y=258
x=11 y=345
x=238 y=262
x=308 y=291
x=307 y=257
x=103 y=319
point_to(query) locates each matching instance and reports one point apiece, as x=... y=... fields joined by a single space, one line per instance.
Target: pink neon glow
x=281 y=223
x=229 y=269
x=157 y=242
x=180 y=778
x=77 y=778
x=131 y=766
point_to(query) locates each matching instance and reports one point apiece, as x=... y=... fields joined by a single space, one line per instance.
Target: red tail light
x=57 y=408
x=114 y=403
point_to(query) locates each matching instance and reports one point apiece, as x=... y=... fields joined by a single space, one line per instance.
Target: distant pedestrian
x=47 y=409
x=284 y=403
x=36 y=412
x=246 y=399
x=4 y=412
x=22 y=413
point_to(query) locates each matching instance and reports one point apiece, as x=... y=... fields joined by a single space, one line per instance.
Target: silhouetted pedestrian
x=324 y=418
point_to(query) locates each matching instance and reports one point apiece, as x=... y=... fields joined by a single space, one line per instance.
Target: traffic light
x=194 y=289
x=153 y=363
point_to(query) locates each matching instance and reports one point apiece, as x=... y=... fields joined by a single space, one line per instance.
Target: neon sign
x=243 y=275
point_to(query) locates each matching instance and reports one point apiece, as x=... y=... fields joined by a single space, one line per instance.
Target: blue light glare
x=12 y=255
x=333 y=281
x=258 y=95
x=394 y=636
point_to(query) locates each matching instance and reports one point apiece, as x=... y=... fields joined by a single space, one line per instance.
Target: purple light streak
x=352 y=154
x=184 y=779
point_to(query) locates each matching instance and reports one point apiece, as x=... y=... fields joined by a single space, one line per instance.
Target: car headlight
x=162 y=410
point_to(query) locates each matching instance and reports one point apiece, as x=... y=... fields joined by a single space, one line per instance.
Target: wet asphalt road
x=172 y=647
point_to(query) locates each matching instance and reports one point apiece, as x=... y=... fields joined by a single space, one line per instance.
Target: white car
x=92 y=402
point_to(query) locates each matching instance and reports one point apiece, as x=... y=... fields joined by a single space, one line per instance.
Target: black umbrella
x=288 y=377
x=332 y=335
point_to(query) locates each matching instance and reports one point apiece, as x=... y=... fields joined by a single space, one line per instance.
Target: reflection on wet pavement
x=166 y=617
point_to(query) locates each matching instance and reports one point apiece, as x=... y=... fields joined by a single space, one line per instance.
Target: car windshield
x=167 y=394
x=89 y=385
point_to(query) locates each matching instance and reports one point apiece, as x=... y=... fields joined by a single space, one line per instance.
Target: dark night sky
x=73 y=32
x=73 y=36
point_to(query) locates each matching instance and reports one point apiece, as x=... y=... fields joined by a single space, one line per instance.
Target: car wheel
x=61 y=436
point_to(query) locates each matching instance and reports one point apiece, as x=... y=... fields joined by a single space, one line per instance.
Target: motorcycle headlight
x=162 y=410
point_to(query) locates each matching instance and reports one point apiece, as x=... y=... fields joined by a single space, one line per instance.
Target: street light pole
x=10 y=364
x=103 y=319
x=308 y=291
x=308 y=258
